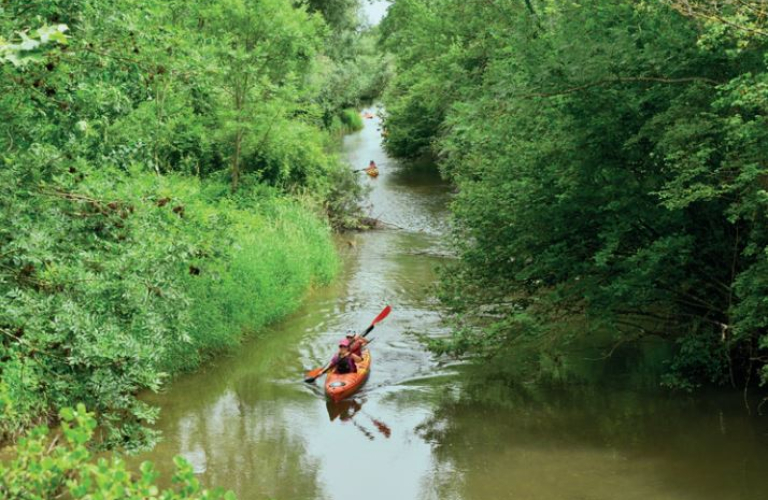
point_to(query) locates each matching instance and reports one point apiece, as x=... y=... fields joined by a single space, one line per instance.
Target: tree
x=610 y=171
x=265 y=45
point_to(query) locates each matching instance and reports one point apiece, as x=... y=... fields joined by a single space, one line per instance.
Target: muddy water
x=418 y=429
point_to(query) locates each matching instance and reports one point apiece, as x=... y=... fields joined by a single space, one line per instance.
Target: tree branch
x=611 y=81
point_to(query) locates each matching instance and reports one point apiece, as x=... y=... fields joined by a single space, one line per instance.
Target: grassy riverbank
x=123 y=280
x=168 y=184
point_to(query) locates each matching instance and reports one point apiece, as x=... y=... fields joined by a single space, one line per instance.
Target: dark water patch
x=585 y=442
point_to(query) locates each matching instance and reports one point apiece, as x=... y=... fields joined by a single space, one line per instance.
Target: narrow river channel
x=416 y=431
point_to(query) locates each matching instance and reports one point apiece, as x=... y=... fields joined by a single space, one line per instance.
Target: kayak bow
x=342 y=385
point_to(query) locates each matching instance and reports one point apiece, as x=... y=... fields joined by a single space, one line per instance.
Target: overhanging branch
x=612 y=81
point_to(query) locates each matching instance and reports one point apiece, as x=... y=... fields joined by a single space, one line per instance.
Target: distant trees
x=611 y=163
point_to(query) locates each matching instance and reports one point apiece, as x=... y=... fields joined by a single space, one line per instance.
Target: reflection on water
x=419 y=429
x=346 y=411
x=586 y=442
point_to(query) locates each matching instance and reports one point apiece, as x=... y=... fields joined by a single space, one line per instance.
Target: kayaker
x=372 y=165
x=345 y=361
x=356 y=343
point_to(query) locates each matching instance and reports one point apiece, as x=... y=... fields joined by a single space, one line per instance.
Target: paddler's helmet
x=350 y=334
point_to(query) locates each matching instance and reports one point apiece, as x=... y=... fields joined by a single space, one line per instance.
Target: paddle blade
x=310 y=376
x=383 y=314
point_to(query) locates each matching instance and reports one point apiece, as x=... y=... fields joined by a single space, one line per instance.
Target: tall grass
x=125 y=278
x=346 y=121
x=351 y=119
x=276 y=255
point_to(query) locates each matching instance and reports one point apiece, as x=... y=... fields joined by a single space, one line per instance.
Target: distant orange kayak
x=368 y=115
x=372 y=171
x=342 y=385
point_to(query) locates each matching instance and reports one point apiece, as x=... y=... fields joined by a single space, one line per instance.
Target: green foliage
x=341 y=15
x=278 y=251
x=263 y=48
x=30 y=44
x=425 y=38
x=124 y=255
x=350 y=120
x=610 y=162
x=356 y=74
x=40 y=470
x=231 y=86
x=114 y=281
x=700 y=359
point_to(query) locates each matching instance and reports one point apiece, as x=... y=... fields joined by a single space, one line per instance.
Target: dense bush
x=114 y=281
x=41 y=469
x=610 y=162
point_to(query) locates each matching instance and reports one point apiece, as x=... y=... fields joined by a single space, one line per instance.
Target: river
x=418 y=429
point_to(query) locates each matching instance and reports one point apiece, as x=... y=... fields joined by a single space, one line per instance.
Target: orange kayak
x=342 y=385
x=372 y=171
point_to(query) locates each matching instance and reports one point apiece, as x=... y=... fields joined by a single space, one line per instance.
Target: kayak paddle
x=312 y=375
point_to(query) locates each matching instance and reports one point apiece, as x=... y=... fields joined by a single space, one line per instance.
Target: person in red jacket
x=356 y=343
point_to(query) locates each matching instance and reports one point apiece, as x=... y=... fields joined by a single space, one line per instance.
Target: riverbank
x=168 y=181
x=593 y=200
x=130 y=279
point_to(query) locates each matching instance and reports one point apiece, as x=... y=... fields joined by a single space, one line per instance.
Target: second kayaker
x=356 y=343
x=345 y=360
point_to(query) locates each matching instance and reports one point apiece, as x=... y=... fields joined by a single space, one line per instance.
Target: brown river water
x=424 y=428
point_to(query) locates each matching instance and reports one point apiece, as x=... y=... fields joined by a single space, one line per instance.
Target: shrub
x=351 y=119
x=41 y=470
x=114 y=282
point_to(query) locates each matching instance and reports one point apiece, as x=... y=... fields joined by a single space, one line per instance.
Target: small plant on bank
x=351 y=119
x=62 y=466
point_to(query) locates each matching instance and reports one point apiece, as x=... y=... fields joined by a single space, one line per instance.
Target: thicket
x=167 y=185
x=611 y=163
x=60 y=465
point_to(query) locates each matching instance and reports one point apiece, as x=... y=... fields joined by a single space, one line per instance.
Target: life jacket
x=345 y=365
x=357 y=348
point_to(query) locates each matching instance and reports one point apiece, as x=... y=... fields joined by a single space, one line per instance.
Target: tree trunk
x=236 y=160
